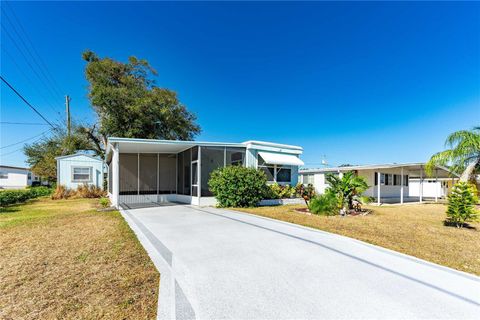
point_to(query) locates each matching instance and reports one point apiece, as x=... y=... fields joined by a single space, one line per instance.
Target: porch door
x=194 y=178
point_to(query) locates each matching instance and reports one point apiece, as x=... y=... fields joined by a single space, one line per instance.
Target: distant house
x=399 y=182
x=16 y=177
x=79 y=169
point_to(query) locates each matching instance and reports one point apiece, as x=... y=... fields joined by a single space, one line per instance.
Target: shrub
x=325 y=204
x=365 y=199
x=61 y=192
x=461 y=204
x=276 y=191
x=104 y=202
x=40 y=191
x=90 y=191
x=83 y=191
x=305 y=192
x=235 y=186
x=9 y=197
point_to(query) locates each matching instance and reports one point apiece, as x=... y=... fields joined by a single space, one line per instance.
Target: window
x=405 y=180
x=284 y=174
x=275 y=173
x=81 y=174
x=235 y=156
x=269 y=172
x=29 y=176
x=307 y=179
x=3 y=175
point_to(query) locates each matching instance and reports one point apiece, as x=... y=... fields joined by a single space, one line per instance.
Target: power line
x=40 y=92
x=25 y=123
x=12 y=11
x=19 y=36
x=28 y=103
x=9 y=153
x=16 y=143
x=26 y=59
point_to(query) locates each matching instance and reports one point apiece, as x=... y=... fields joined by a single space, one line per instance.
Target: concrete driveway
x=224 y=264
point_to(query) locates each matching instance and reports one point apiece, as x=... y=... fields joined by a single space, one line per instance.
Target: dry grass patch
x=415 y=229
x=63 y=259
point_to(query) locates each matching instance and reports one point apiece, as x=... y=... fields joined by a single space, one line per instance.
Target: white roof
x=131 y=145
x=78 y=155
x=409 y=166
x=280 y=158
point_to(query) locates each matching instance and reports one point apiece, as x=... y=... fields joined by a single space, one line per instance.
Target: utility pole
x=67 y=105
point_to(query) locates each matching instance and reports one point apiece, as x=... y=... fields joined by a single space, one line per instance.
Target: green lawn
x=64 y=259
x=413 y=229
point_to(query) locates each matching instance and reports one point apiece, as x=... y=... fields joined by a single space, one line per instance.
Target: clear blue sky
x=357 y=82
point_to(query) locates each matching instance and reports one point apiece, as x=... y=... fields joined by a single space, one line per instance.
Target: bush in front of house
x=326 y=204
x=8 y=197
x=306 y=192
x=276 y=191
x=461 y=204
x=83 y=191
x=236 y=186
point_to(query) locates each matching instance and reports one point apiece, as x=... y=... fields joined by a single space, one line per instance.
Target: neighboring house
x=399 y=183
x=143 y=171
x=79 y=169
x=16 y=177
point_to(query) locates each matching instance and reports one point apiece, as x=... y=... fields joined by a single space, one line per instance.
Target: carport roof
x=415 y=166
x=132 y=145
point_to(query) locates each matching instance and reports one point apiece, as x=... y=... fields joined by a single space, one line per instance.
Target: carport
x=148 y=172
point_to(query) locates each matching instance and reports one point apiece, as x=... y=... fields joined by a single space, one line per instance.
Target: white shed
x=15 y=177
x=79 y=169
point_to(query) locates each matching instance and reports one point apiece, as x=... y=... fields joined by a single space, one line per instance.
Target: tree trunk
x=465 y=177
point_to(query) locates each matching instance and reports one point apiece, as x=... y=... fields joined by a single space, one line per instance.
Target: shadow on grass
x=462 y=226
x=15 y=207
x=9 y=209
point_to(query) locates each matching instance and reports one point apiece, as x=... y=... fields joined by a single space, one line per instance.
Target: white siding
x=17 y=178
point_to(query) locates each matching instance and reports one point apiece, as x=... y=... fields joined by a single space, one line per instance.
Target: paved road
x=223 y=264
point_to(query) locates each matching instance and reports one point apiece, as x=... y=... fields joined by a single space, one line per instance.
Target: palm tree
x=463 y=154
x=346 y=187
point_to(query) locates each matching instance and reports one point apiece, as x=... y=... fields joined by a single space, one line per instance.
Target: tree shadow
x=463 y=226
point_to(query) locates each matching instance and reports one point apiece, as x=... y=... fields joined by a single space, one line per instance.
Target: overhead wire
x=25 y=100
x=18 y=21
x=25 y=140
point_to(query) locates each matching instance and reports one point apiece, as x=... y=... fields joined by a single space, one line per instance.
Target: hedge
x=8 y=197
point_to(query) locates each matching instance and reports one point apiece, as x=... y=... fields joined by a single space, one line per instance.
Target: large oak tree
x=129 y=104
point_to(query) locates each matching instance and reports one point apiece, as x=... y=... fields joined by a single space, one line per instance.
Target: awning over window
x=283 y=159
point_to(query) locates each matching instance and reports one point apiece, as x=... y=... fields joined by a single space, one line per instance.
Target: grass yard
x=63 y=259
x=416 y=230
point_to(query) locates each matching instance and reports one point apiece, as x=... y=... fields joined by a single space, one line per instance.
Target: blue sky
x=357 y=83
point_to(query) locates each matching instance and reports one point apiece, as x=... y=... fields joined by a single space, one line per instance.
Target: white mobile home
x=395 y=181
x=79 y=169
x=16 y=177
x=148 y=171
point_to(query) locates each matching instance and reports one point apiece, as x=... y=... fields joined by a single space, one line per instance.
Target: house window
x=284 y=174
x=275 y=173
x=3 y=175
x=29 y=176
x=81 y=174
x=307 y=179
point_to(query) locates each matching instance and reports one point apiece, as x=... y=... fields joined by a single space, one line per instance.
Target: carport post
x=401 y=186
x=421 y=183
x=436 y=185
x=115 y=177
x=378 y=188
